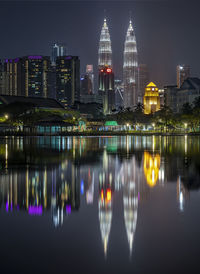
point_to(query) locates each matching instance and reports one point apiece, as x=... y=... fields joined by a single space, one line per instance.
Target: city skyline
x=160 y=45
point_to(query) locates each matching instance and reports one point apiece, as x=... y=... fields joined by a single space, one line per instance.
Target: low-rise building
x=175 y=97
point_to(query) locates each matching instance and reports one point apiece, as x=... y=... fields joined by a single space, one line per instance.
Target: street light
x=6 y=116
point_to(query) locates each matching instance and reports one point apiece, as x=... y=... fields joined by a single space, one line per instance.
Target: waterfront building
x=57 y=50
x=68 y=80
x=130 y=69
x=106 y=75
x=151 y=99
x=182 y=73
x=143 y=80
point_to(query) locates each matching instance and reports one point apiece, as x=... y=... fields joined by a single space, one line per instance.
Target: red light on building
x=109 y=70
x=101 y=70
x=108 y=195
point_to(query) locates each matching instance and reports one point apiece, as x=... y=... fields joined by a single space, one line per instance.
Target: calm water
x=100 y=205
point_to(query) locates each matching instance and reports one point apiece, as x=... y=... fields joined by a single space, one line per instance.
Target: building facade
x=119 y=94
x=130 y=69
x=106 y=75
x=182 y=73
x=68 y=80
x=26 y=76
x=57 y=50
x=151 y=99
x=143 y=80
x=106 y=89
x=175 y=97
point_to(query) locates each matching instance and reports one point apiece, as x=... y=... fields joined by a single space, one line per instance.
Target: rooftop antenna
x=130 y=16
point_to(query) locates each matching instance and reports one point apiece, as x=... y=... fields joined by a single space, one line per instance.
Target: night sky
x=167 y=33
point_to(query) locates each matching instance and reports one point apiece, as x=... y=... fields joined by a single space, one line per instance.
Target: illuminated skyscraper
x=130 y=69
x=105 y=51
x=182 y=73
x=106 y=76
x=68 y=79
x=27 y=76
x=57 y=51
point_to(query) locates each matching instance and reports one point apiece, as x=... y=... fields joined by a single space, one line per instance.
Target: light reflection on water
x=57 y=176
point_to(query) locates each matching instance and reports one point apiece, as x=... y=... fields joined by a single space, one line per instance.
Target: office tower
x=57 y=50
x=106 y=89
x=106 y=76
x=90 y=74
x=143 y=80
x=87 y=81
x=151 y=99
x=36 y=75
x=119 y=93
x=68 y=79
x=130 y=69
x=26 y=76
x=182 y=73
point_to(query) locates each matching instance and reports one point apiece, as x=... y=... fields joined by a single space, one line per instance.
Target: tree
x=186 y=108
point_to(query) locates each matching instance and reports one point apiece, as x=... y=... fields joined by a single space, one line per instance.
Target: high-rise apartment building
x=36 y=75
x=143 y=80
x=68 y=79
x=26 y=76
x=130 y=69
x=106 y=76
x=57 y=50
x=182 y=73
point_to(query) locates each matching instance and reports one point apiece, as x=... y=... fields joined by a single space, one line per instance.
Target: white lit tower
x=105 y=51
x=106 y=76
x=130 y=69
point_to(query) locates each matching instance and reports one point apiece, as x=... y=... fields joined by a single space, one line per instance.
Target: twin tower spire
x=130 y=62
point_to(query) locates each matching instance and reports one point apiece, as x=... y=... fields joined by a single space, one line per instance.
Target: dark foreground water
x=100 y=205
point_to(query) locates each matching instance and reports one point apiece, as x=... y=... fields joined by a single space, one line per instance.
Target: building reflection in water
x=130 y=179
x=151 y=168
x=182 y=194
x=106 y=189
x=49 y=174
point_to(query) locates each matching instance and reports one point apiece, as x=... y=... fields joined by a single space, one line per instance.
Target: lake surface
x=100 y=205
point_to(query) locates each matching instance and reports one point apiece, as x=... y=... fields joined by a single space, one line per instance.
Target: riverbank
x=101 y=133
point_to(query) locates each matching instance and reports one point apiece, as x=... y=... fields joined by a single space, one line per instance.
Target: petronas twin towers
x=130 y=62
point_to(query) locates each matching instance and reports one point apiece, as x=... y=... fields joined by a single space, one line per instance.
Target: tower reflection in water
x=50 y=175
